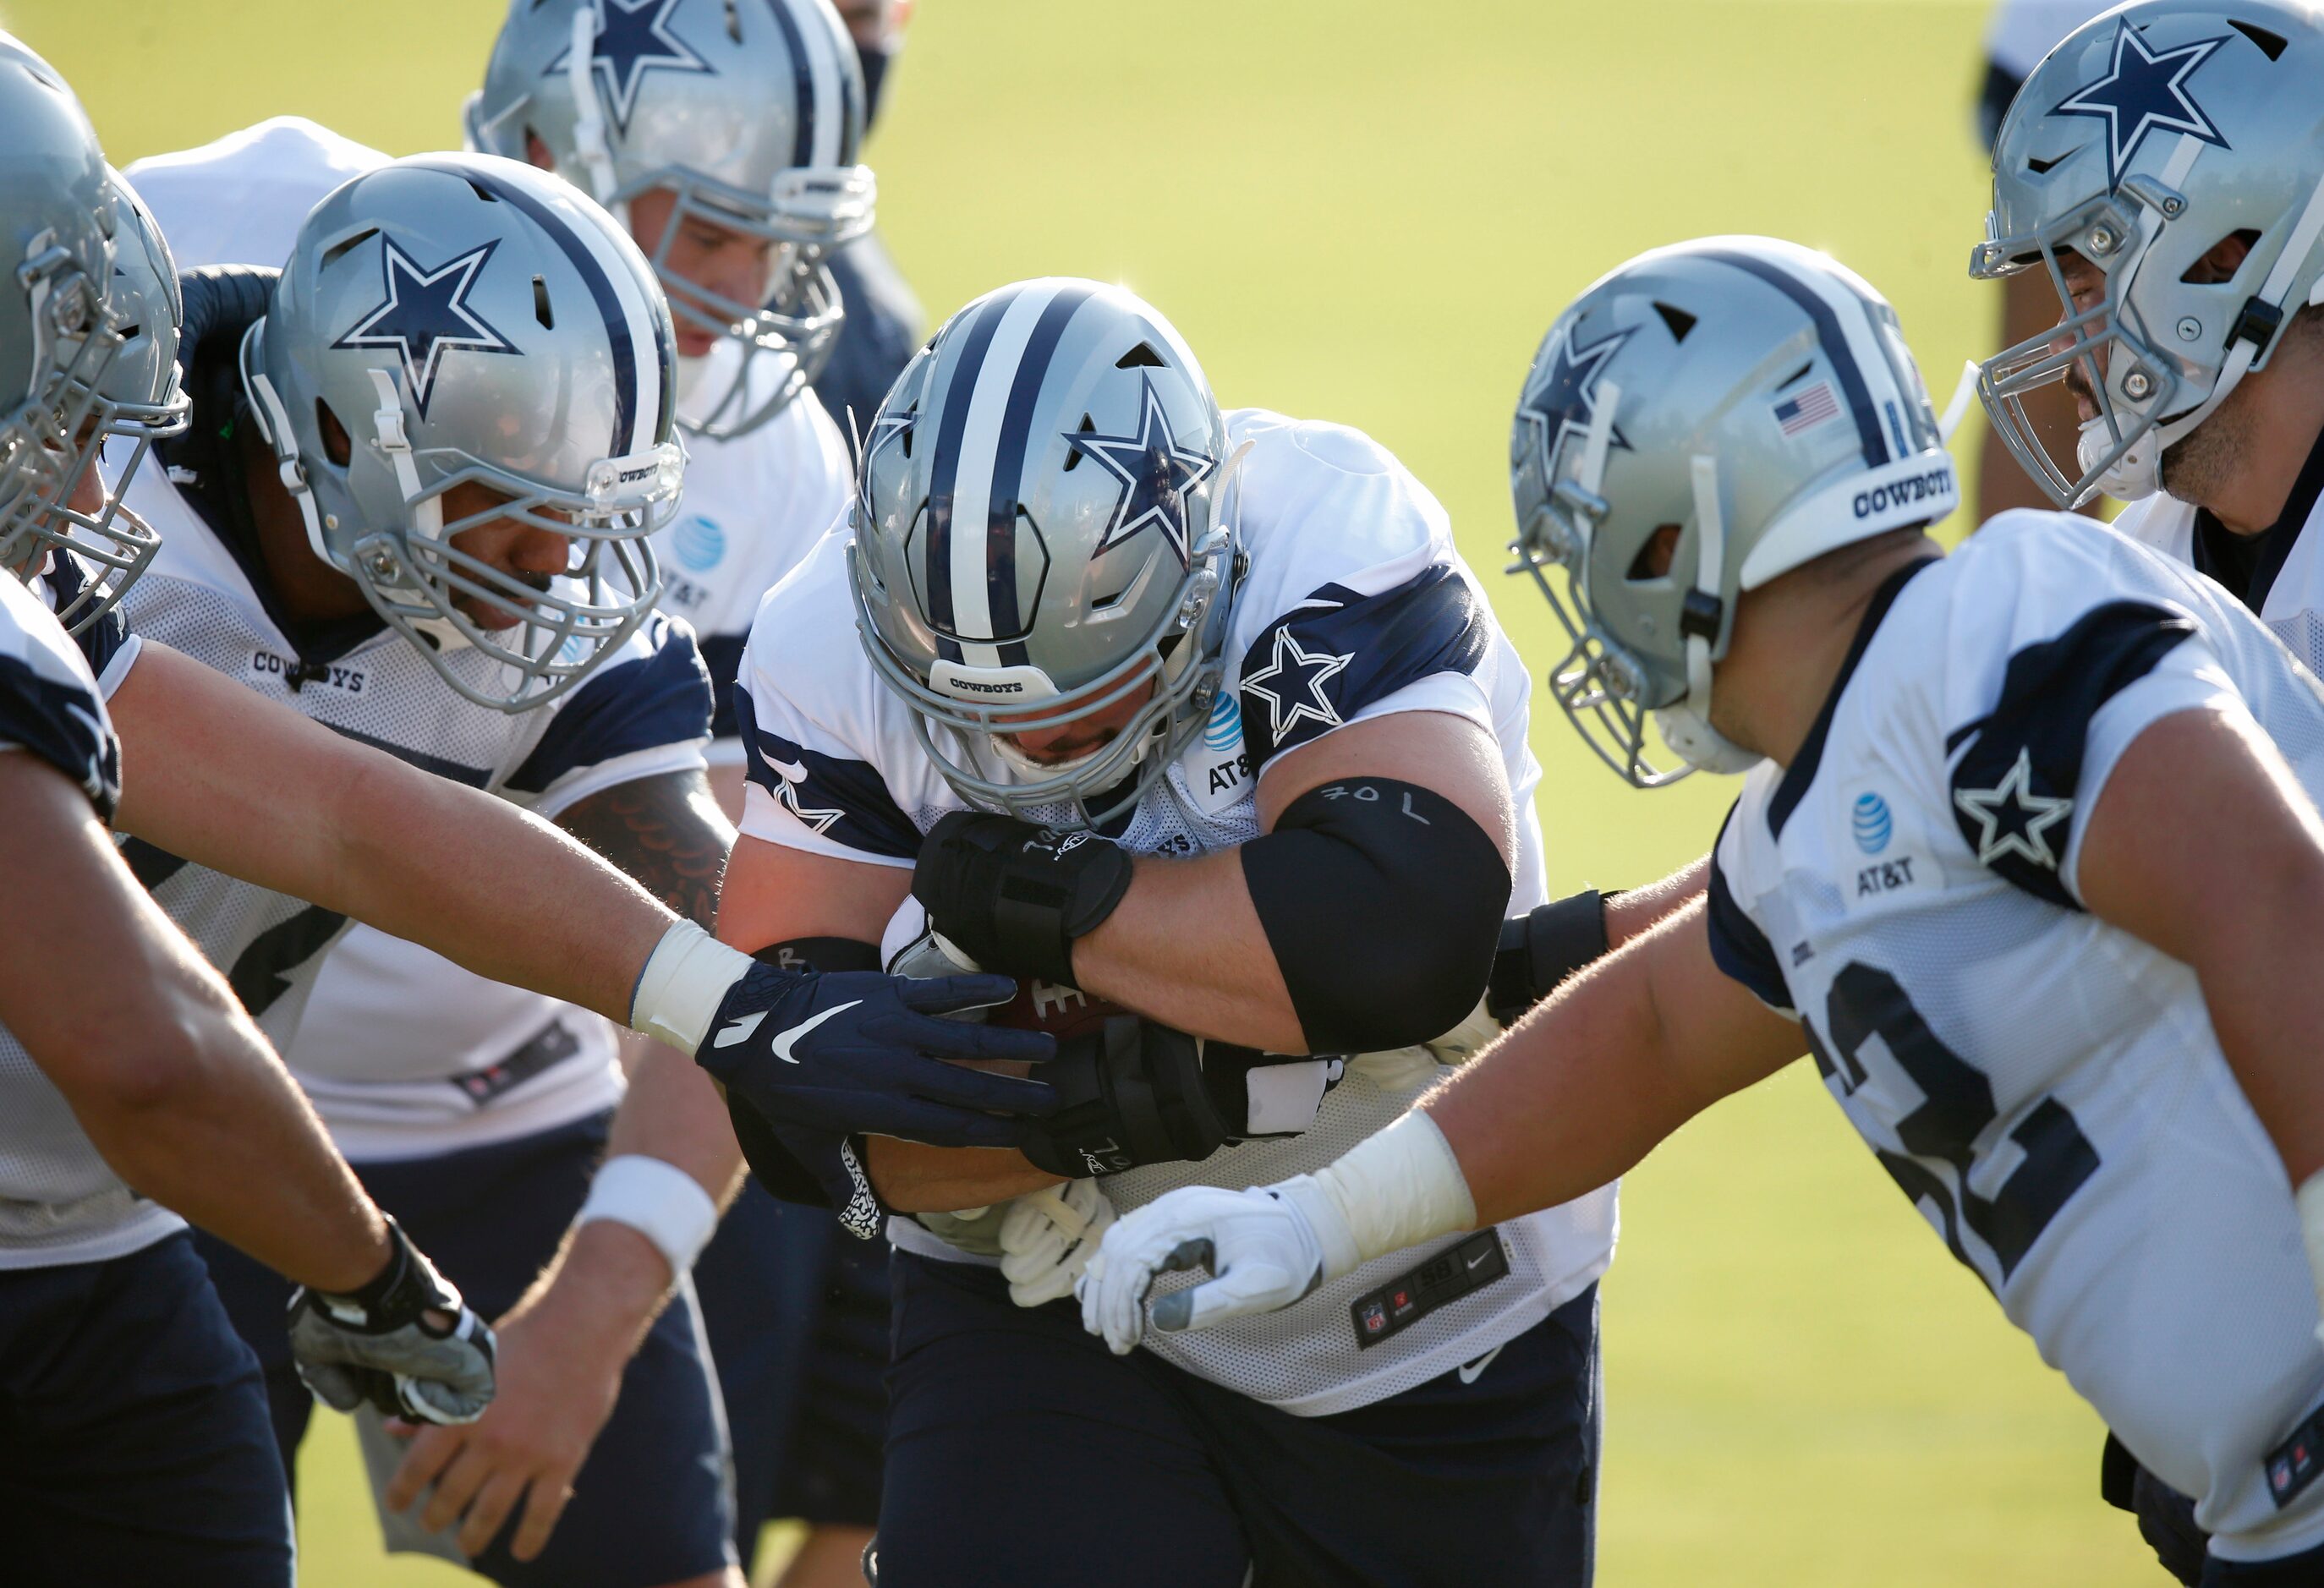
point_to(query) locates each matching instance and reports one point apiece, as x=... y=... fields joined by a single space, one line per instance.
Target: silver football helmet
x=1038 y=538
x=57 y=342
x=749 y=115
x=1754 y=395
x=450 y=319
x=139 y=399
x=2152 y=134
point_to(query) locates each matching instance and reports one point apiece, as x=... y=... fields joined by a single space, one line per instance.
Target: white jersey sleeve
x=241 y=199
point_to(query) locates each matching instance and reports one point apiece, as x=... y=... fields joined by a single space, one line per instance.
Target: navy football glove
x=857 y=1052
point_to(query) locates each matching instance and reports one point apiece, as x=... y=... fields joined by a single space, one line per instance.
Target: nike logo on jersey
x=783 y=1041
x=1471 y=1371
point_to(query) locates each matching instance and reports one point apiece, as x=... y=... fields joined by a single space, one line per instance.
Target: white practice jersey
x=1354 y=605
x=2045 y=1087
x=2284 y=579
x=753 y=506
x=404 y=1053
x=59 y=1202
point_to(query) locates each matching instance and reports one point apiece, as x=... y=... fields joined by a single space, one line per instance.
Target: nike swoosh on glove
x=379 y=1345
x=1262 y=1245
x=859 y=1053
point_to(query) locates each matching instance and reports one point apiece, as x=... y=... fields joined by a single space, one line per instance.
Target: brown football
x=1045 y=1006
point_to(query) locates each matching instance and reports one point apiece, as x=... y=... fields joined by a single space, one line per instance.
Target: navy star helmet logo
x=794 y=776
x=1155 y=474
x=1566 y=400
x=2145 y=91
x=634 y=37
x=2011 y=820
x=1292 y=685
x=426 y=316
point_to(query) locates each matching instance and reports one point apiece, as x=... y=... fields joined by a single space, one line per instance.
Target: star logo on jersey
x=1157 y=476
x=794 y=776
x=426 y=316
x=2011 y=818
x=2145 y=92
x=634 y=37
x=1566 y=399
x=1292 y=685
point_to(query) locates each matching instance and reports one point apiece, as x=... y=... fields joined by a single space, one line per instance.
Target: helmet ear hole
x=1654 y=559
x=335 y=445
x=2222 y=259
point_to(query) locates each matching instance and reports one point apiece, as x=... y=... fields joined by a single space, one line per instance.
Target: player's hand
x=1047 y=1238
x=1013 y=895
x=561 y=1365
x=857 y=1052
x=1262 y=1247
x=406 y=1342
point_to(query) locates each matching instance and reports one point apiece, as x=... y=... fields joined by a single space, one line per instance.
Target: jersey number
x=1866 y=1003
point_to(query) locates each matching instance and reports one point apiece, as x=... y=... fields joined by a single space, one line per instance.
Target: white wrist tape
x=2309 y=1200
x=685 y=980
x=1393 y=1190
x=660 y=1201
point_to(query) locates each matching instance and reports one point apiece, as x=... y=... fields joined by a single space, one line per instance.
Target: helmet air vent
x=337 y=251
x=1798 y=375
x=2042 y=168
x=1678 y=319
x=1141 y=356
x=1086 y=427
x=541 y=309
x=733 y=21
x=2271 y=45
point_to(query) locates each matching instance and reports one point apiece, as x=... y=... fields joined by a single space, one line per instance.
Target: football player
x=137 y=1448
x=727 y=142
x=407 y=572
x=1976 y=868
x=1197 y=720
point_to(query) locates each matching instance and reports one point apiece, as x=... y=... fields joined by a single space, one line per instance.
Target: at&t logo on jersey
x=1871 y=821
x=1217 y=767
x=1873 y=827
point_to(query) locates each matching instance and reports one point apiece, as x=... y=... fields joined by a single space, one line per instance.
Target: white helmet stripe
x=979 y=447
x=821 y=49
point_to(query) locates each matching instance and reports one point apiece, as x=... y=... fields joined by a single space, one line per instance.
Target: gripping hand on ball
x=1265 y=1249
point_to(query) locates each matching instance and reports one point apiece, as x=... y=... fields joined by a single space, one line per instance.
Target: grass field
x=1369 y=211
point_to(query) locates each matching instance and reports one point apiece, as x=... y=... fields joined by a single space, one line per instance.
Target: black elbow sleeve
x=1383 y=902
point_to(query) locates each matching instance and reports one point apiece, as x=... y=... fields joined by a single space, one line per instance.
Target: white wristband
x=1395 y=1190
x=685 y=980
x=660 y=1201
x=2309 y=1202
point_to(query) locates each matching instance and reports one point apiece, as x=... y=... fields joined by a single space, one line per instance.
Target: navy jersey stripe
x=642 y=703
x=722 y=655
x=2025 y=756
x=802 y=84
x=1009 y=468
x=835 y=798
x=601 y=292
x=945 y=467
x=1738 y=945
x=62 y=723
x=1835 y=348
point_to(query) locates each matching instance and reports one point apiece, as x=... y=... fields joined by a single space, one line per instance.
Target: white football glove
x=1268 y=1247
x=1047 y=1238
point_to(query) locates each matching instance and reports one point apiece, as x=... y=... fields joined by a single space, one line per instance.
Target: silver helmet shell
x=57 y=340
x=1755 y=394
x=749 y=113
x=2152 y=133
x=139 y=399
x=1038 y=538
x=464 y=318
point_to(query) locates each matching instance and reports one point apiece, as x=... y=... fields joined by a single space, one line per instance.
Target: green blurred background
x=1367 y=211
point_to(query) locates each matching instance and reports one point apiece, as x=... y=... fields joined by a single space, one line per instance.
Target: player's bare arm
x=2237 y=899
x=564 y=1345
x=173 y=1084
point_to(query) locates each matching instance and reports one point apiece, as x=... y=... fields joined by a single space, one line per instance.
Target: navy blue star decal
x=1566 y=399
x=426 y=316
x=1292 y=684
x=634 y=37
x=2143 y=93
x=1156 y=474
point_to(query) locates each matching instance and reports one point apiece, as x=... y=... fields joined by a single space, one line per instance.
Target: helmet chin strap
x=274 y=429
x=589 y=144
x=2138 y=473
x=1686 y=726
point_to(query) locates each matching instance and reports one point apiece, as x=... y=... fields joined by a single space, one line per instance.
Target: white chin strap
x=2138 y=472
x=274 y=429
x=1686 y=727
x=1964 y=398
x=589 y=144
